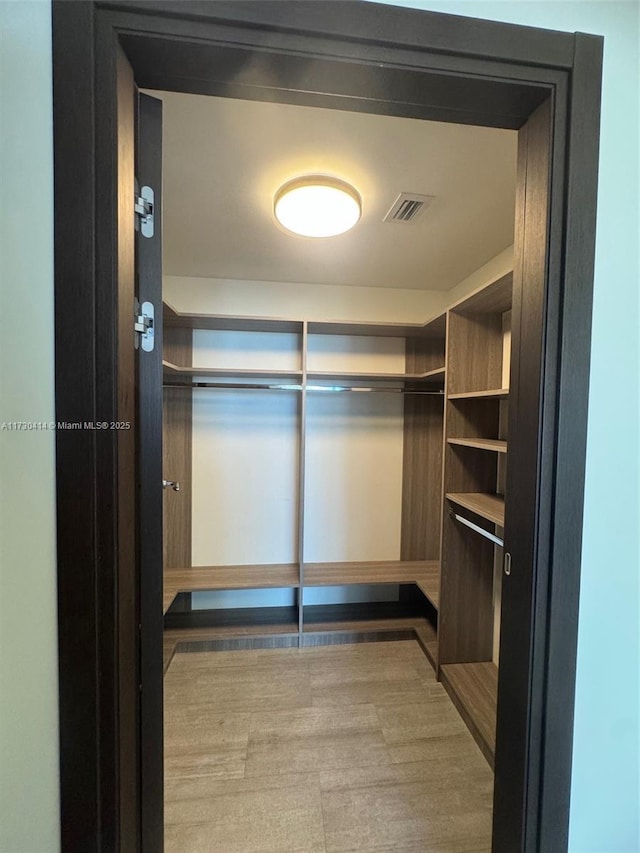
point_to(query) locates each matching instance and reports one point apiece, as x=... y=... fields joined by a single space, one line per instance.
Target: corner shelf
x=473 y=687
x=480 y=443
x=487 y=506
x=496 y=394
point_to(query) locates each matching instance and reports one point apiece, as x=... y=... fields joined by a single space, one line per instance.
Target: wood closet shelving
x=455 y=451
x=422 y=383
x=476 y=455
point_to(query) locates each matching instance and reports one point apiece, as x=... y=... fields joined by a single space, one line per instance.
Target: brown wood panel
x=302 y=461
x=424 y=354
x=422 y=478
x=488 y=506
x=475 y=418
x=473 y=687
x=465 y=626
x=177 y=422
x=474 y=352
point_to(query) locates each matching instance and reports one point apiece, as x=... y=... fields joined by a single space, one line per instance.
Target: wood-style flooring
x=322 y=749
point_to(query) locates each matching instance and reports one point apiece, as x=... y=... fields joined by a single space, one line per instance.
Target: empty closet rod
x=326 y=388
x=233 y=386
x=495 y=539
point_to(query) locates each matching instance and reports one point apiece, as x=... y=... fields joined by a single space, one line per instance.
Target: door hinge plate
x=144 y=326
x=144 y=209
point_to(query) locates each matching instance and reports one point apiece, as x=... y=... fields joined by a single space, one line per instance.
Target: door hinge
x=144 y=316
x=143 y=206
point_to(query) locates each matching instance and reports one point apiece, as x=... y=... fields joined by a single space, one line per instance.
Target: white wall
x=29 y=807
x=605 y=797
x=302 y=301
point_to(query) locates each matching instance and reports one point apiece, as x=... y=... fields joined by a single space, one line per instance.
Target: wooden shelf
x=174 y=371
x=228 y=322
x=497 y=394
x=209 y=578
x=487 y=506
x=436 y=376
x=473 y=687
x=481 y=443
x=425 y=574
x=434 y=327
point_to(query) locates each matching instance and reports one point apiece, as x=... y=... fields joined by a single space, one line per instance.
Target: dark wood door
x=149 y=466
x=515 y=786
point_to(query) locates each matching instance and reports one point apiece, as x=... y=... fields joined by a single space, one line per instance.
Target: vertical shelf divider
x=304 y=339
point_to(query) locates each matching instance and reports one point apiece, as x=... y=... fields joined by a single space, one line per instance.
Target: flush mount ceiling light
x=317 y=206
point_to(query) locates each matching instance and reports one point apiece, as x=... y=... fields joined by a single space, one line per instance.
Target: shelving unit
x=416 y=574
x=476 y=453
x=455 y=399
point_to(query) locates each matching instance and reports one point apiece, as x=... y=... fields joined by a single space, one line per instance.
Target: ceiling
x=224 y=160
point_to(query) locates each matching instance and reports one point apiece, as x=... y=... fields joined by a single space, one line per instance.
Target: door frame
x=347 y=55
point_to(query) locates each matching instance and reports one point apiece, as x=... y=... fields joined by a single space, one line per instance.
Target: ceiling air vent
x=408 y=207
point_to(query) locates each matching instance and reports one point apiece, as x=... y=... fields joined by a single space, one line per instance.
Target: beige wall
x=29 y=821
x=306 y=301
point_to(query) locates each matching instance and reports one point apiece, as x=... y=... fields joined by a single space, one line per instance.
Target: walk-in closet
x=335 y=451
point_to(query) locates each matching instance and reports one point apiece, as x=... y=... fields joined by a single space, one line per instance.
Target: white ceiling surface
x=224 y=160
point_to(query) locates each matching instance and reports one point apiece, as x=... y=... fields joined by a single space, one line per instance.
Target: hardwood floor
x=321 y=749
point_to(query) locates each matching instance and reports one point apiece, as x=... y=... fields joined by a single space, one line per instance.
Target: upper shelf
x=433 y=328
x=430 y=378
x=173 y=371
x=228 y=323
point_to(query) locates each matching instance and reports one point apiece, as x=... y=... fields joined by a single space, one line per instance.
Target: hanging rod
x=233 y=386
x=326 y=388
x=495 y=539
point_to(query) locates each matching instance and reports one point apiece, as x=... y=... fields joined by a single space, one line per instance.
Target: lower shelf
x=424 y=573
x=207 y=578
x=473 y=688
